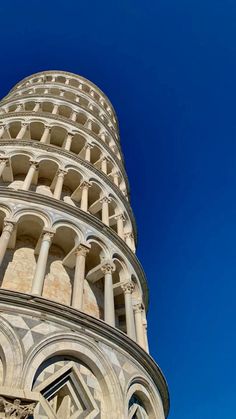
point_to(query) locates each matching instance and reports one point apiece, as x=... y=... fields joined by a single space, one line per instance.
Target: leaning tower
x=73 y=295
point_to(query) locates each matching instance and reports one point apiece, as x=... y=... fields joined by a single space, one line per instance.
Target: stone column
x=116 y=179
x=3 y=163
x=68 y=141
x=29 y=177
x=22 y=132
x=85 y=185
x=78 y=287
x=59 y=183
x=120 y=225
x=45 y=136
x=138 y=310
x=129 y=313
x=88 y=124
x=128 y=239
x=104 y=165
x=36 y=107
x=109 y=306
x=73 y=116
x=55 y=109
x=105 y=209
x=145 y=335
x=2 y=128
x=88 y=149
x=8 y=227
x=103 y=136
x=38 y=281
x=19 y=108
x=62 y=93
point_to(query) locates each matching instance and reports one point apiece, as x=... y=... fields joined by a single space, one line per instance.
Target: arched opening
x=59 y=277
x=58 y=135
x=71 y=187
x=46 y=177
x=36 y=130
x=78 y=143
x=18 y=266
x=20 y=164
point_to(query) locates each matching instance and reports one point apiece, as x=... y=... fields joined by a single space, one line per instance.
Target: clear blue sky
x=169 y=68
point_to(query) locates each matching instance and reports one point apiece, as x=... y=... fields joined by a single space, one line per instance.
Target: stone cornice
x=80 y=78
x=73 y=124
x=87 y=218
x=63 y=100
x=78 y=320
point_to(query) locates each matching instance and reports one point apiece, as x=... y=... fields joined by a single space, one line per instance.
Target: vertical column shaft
x=59 y=184
x=38 y=281
x=84 y=195
x=129 y=312
x=8 y=227
x=78 y=287
x=29 y=177
x=139 y=325
x=109 y=306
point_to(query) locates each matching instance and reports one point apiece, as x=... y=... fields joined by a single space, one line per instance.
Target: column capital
x=34 y=163
x=85 y=184
x=61 y=172
x=83 y=249
x=105 y=199
x=47 y=235
x=8 y=225
x=108 y=267
x=70 y=133
x=88 y=145
x=13 y=408
x=120 y=217
x=128 y=287
x=138 y=307
x=48 y=127
x=129 y=235
x=4 y=159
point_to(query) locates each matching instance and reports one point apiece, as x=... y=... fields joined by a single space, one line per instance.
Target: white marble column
x=116 y=179
x=3 y=163
x=73 y=116
x=88 y=149
x=138 y=310
x=55 y=109
x=29 y=177
x=36 y=107
x=19 y=108
x=128 y=288
x=2 y=128
x=38 y=281
x=85 y=185
x=120 y=225
x=129 y=239
x=59 y=183
x=22 y=132
x=109 y=305
x=8 y=227
x=45 y=137
x=78 y=286
x=105 y=209
x=68 y=141
x=104 y=165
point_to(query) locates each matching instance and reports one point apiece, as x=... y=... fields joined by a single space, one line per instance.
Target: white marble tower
x=73 y=295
